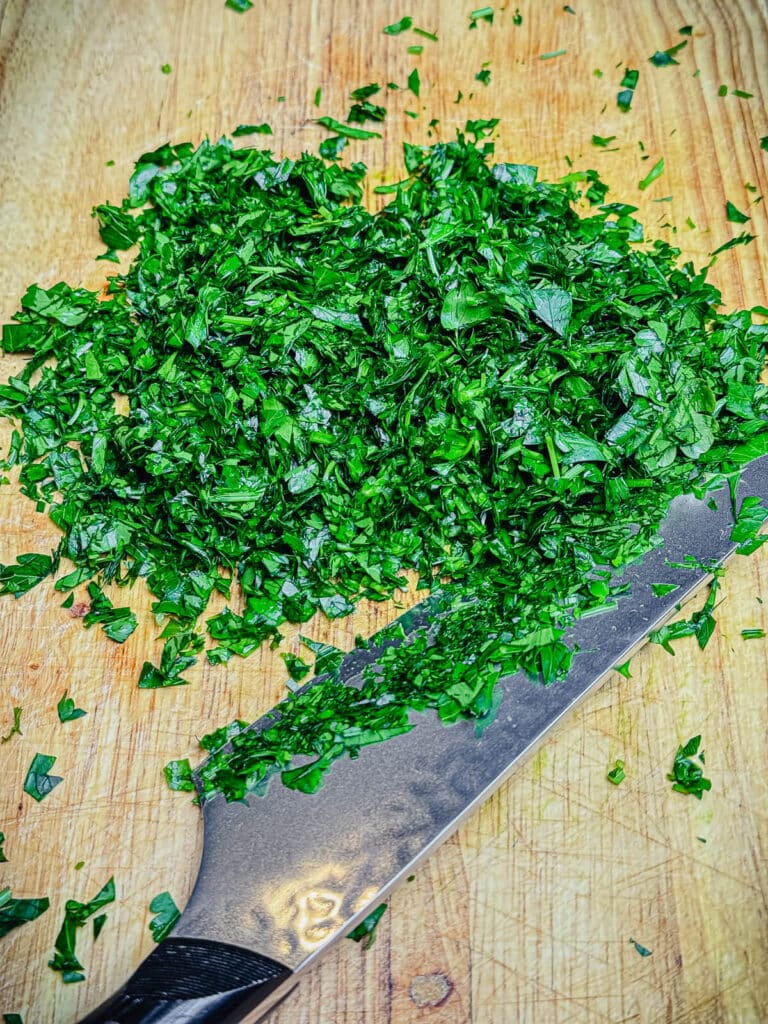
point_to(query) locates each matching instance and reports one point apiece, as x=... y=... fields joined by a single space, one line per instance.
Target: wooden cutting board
x=526 y=914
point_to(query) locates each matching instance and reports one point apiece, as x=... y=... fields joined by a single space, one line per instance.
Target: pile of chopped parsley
x=478 y=383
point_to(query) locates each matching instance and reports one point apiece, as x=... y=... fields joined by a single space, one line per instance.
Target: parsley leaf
x=167 y=914
x=38 y=783
x=178 y=775
x=75 y=915
x=743 y=239
x=734 y=214
x=414 y=83
x=686 y=775
x=117 y=623
x=28 y=571
x=616 y=775
x=239 y=5
x=15 y=729
x=628 y=85
x=67 y=710
x=345 y=130
x=701 y=624
x=655 y=172
x=16 y=912
x=399 y=26
x=252 y=129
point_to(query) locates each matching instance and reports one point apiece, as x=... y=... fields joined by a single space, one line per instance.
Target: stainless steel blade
x=292 y=873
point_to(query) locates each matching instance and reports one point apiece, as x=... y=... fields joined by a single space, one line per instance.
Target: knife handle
x=193 y=981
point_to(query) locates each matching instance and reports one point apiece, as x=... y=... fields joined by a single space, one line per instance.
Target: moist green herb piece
x=723 y=90
x=734 y=214
x=318 y=96
x=98 y=924
x=686 y=775
x=166 y=69
x=332 y=148
x=568 y=9
x=640 y=949
x=117 y=623
x=517 y=18
x=179 y=653
x=623 y=669
x=552 y=53
x=252 y=129
x=13 y=1018
x=627 y=93
x=38 y=783
x=30 y=569
x=414 y=83
x=345 y=130
x=366 y=111
x=764 y=143
x=3 y=858
x=481 y=14
x=399 y=26
x=655 y=172
x=742 y=95
x=178 y=775
x=75 y=915
x=297 y=667
x=660 y=589
x=663 y=58
x=426 y=35
x=239 y=5
x=67 y=710
x=616 y=775
x=484 y=76
x=752 y=513
x=416 y=50
x=701 y=624
x=15 y=729
x=743 y=239
x=686 y=30
x=80 y=865
x=166 y=915
x=16 y=912
x=752 y=634
x=366 y=930
x=602 y=141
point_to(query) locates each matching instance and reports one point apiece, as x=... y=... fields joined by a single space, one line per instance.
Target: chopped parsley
x=178 y=775
x=414 y=83
x=399 y=26
x=38 y=783
x=366 y=930
x=166 y=915
x=640 y=949
x=616 y=775
x=3 y=858
x=687 y=776
x=253 y=129
x=75 y=915
x=481 y=14
x=752 y=513
x=484 y=76
x=752 y=634
x=655 y=172
x=67 y=710
x=345 y=130
x=701 y=624
x=517 y=18
x=663 y=58
x=15 y=729
x=239 y=5
x=16 y=912
x=98 y=923
x=743 y=239
x=764 y=143
x=552 y=53
x=628 y=85
x=734 y=214
x=660 y=589
x=166 y=69
x=603 y=141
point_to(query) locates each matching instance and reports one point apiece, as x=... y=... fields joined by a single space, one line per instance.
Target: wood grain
x=526 y=914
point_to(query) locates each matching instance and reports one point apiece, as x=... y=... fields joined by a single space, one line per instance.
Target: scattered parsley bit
x=752 y=634
x=628 y=85
x=14 y=913
x=416 y=50
x=701 y=624
x=15 y=729
x=239 y=5
x=414 y=83
x=318 y=96
x=166 y=69
x=399 y=26
x=179 y=653
x=568 y=9
x=764 y=143
x=686 y=776
x=742 y=95
x=178 y=775
x=623 y=669
x=80 y=865
x=332 y=147
x=118 y=623
x=359 y=113
x=640 y=949
x=686 y=30
x=426 y=35
x=98 y=924
x=297 y=667
x=743 y=239
x=517 y=18
x=281 y=99
x=345 y=130
x=254 y=129
x=552 y=53
x=38 y=783
x=13 y=1018
x=30 y=569
x=481 y=14
x=723 y=90
x=616 y=775
x=734 y=214
x=67 y=710
x=690 y=224
x=603 y=141
x=484 y=76
x=660 y=589
x=655 y=172
x=167 y=914
x=597 y=73
x=75 y=916
x=663 y=58
x=366 y=930
x=3 y=858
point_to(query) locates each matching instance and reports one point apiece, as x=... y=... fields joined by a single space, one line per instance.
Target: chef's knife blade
x=283 y=879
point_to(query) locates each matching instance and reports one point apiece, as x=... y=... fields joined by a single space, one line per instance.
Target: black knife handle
x=192 y=981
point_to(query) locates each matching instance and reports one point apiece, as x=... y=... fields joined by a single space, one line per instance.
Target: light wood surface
x=526 y=914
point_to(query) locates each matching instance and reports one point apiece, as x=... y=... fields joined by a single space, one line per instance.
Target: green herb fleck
x=663 y=58
x=399 y=26
x=15 y=729
x=743 y=239
x=178 y=775
x=640 y=949
x=366 y=930
x=297 y=667
x=414 y=83
x=345 y=130
x=628 y=85
x=167 y=914
x=603 y=141
x=752 y=513
x=67 y=710
x=481 y=14
x=660 y=589
x=16 y=912
x=623 y=669
x=552 y=53
x=239 y=5
x=426 y=35
x=723 y=90
x=318 y=96
x=568 y=9
x=38 y=783
x=118 y=623
x=484 y=76
x=742 y=95
x=734 y=214
x=80 y=865
x=764 y=143
x=701 y=624
x=332 y=147
x=686 y=776
x=166 y=69
x=517 y=18
x=75 y=915
x=616 y=774
x=416 y=50
x=752 y=634
x=3 y=858
x=13 y=1018
x=98 y=924
x=30 y=569
x=655 y=172
x=251 y=129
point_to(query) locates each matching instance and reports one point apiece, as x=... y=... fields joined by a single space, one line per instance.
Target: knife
x=285 y=878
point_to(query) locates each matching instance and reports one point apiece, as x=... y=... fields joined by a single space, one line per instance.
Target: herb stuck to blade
x=16 y=912
x=76 y=914
x=38 y=783
x=67 y=710
x=15 y=729
x=687 y=776
x=166 y=915
x=178 y=775
x=365 y=932
x=701 y=624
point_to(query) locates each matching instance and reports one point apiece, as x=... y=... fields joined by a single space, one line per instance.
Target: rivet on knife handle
x=194 y=981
